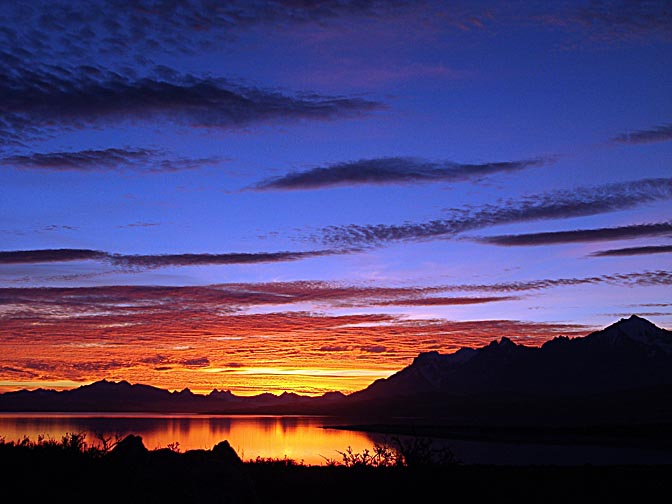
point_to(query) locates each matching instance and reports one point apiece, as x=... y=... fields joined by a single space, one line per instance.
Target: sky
x=303 y=195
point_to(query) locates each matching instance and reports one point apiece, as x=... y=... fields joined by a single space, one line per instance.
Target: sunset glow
x=301 y=197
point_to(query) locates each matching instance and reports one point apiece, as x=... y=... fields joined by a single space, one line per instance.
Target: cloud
x=66 y=32
x=662 y=133
x=112 y=159
x=139 y=225
x=563 y=204
x=235 y=294
x=49 y=255
x=333 y=348
x=163 y=363
x=166 y=260
x=445 y=301
x=392 y=170
x=38 y=100
x=62 y=30
x=157 y=260
x=631 y=251
x=579 y=235
x=625 y=19
x=610 y=21
x=58 y=227
x=641 y=279
x=373 y=348
x=108 y=305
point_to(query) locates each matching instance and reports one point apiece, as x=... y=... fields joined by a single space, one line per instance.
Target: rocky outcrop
x=167 y=475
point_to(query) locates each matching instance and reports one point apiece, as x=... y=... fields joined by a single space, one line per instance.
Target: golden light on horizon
x=193 y=345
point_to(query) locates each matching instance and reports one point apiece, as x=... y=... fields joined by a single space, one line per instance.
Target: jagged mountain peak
x=635 y=323
x=628 y=354
x=504 y=344
x=107 y=385
x=635 y=329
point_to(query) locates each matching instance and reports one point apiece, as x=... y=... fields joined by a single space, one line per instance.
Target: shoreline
x=654 y=436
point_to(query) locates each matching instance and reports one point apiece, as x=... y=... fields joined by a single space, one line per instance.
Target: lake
x=302 y=438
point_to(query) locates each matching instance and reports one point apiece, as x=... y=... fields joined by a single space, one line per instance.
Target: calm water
x=301 y=438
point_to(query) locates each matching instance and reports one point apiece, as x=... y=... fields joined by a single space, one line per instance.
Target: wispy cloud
x=662 y=133
x=632 y=251
x=580 y=202
x=100 y=28
x=157 y=260
x=609 y=21
x=230 y=298
x=641 y=279
x=88 y=31
x=91 y=160
x=624 y=19
x=140 y=225
x=49 y=255
x=393 y=170
x=446 y=301
x=37 y=100
x=166 y=260
x=580 y=235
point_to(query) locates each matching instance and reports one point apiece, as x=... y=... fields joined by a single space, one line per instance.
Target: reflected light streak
x=299 y=438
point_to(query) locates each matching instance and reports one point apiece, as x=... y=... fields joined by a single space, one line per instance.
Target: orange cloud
x=206 y=338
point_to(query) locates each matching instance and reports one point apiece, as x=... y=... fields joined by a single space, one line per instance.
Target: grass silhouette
x=122 y=470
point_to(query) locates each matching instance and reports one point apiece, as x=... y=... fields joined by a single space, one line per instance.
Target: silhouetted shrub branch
x=395 y=452
x=398 y=452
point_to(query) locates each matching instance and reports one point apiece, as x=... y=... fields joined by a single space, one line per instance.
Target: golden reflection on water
x=299 y=438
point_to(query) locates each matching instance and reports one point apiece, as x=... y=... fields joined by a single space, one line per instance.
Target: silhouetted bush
x=398 y=470
x=398 y=452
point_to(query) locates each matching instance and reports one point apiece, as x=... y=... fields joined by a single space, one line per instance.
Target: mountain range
x=622 y=373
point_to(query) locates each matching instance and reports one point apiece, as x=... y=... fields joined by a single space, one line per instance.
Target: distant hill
x=621 y=374
x=108 y=396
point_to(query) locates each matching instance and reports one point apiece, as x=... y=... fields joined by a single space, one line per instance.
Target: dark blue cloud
x=49 y=255
x=392 y=170
x=36 y=102
x=166 y=260
x=662 y=133
x=634 y=279
x=580 y=235
x=75 y=30
x=617 y=20
x=633 y=251
x=145 y=160
x=580 y=202
x=157 y=260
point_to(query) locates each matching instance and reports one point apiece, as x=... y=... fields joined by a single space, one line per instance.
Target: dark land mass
x=650 y=436
x=131 y=473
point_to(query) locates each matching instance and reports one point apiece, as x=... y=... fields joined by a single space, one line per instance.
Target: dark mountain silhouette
x=630 y=354
x=622 y=373
x=108 y=396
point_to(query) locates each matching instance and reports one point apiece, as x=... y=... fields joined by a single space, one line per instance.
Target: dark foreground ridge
x=129 y=472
